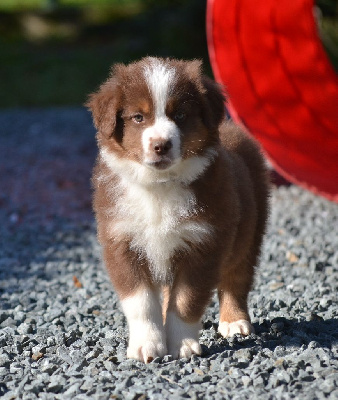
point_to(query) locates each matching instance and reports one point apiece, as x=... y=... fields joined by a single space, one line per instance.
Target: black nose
x=162 y=147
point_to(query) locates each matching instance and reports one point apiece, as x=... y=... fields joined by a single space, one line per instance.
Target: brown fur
x=232 y=193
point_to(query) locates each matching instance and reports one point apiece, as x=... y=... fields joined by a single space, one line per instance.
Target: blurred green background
x=55 y=52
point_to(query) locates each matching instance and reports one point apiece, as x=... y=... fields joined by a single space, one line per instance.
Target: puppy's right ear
x=105 y=105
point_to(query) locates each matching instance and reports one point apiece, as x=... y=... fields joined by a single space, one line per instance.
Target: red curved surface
x=281 y=85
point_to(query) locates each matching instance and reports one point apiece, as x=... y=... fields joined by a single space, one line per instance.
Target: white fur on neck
x=155 y=213
x=156 y=221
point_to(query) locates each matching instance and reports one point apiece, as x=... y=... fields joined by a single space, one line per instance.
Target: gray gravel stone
x=59 y=340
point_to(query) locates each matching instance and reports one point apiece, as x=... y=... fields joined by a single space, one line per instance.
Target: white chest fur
x=157 y=220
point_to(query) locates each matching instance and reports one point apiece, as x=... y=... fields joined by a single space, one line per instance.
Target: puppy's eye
x=179 y=116
x=138 y=118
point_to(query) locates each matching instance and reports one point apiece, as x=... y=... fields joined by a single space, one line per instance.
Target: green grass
x=73 y=53
x=52 y=76
x=20 y=5
x=329 y=35
x=57 y=57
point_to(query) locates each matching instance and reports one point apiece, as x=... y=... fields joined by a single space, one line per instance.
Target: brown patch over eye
x=144 y=107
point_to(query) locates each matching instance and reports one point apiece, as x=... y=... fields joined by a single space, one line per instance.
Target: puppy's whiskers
x=196 y=140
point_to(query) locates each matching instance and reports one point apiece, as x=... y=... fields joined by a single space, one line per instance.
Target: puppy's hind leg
x=183 y=320
x=233 y=291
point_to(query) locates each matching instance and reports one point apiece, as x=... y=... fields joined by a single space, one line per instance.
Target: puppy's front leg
x=144 y=316
x=140 y=301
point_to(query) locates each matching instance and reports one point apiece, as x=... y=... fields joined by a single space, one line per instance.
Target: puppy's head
x=157 y=112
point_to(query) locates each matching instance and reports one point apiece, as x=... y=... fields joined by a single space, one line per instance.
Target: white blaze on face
x=160 y=79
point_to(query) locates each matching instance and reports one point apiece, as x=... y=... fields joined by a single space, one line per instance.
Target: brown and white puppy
x=180 y=201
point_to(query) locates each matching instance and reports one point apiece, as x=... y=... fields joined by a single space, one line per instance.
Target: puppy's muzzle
x=160 y=154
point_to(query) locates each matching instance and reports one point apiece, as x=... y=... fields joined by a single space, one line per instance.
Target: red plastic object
x=281 y=85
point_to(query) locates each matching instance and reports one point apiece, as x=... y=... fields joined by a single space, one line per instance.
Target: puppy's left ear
x=214 y=107
x=213 y=97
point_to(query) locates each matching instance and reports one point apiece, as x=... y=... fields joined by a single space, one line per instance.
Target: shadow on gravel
x=44 y=252
x=284 y=333
x=46 y=160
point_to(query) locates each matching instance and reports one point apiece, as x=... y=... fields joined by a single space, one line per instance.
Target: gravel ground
x=62 y=334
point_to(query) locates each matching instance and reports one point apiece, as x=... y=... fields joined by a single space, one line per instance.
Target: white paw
x=182 y=337
x=146 y=333
x=185 y=349
x=228 y=329
x=146 y=351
